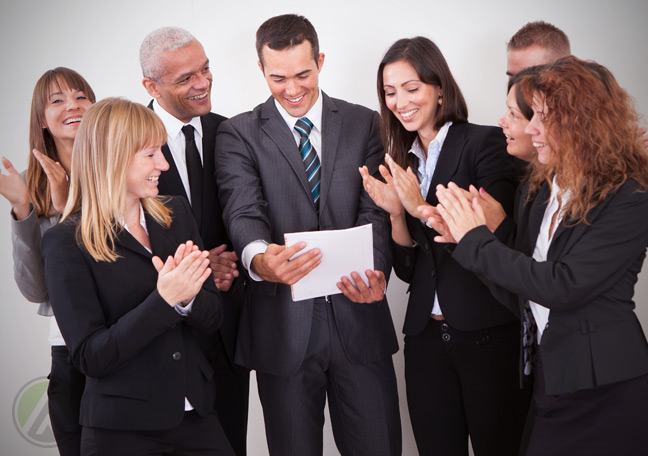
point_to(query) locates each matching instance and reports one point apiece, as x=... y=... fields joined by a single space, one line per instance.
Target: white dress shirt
x=425 y=171
x=176 y=142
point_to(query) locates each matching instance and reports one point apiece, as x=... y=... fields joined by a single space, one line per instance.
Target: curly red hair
x=593 y=131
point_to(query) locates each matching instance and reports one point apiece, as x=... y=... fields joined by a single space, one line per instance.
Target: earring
x=440 y=100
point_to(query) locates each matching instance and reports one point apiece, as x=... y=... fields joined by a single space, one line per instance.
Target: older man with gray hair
x=177 y=75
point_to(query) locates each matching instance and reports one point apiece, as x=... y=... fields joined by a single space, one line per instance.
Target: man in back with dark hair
x=537 y=43
x=291 y=165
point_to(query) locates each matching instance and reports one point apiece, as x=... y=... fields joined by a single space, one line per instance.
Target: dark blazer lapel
x=162 y=241
x=127 y=241
x=449 y=159
x=331 y=127
x=170 y=182
x=170 y=179
x=209 y=180
x=536 y=214
x=276 y=129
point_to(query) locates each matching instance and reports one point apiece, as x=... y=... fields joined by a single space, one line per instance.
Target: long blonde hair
x=111 y=132
x=41 y=139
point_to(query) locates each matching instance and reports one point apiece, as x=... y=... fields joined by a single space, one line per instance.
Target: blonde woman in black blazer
x=127 y=282
x=581 y=241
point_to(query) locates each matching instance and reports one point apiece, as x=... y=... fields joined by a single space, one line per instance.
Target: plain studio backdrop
x=101 y=41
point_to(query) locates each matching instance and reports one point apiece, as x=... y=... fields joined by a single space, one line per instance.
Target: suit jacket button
x=426 y=246
x=433 y=273
x=177 y=356
x=445 y=337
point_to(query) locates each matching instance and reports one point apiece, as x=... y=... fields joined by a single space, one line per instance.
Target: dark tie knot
x=303 y=126
x=188 y=131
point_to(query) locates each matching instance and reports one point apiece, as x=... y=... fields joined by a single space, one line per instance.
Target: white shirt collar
x=435 y=144
x=314 y=114
x=173 y=125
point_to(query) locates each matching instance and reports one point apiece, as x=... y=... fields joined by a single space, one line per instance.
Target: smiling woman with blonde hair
x=128 y=284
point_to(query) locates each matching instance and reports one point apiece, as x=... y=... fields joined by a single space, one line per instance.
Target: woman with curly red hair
x=581 y=241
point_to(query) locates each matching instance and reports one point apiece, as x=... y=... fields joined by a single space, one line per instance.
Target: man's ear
x=151 y=87
x=260 y=66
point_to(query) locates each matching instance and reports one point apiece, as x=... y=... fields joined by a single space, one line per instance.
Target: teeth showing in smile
x=538 y=144
x=72 y=120
x=295 y=100
x=153 y=178
x=199 y=97
x=408 y=114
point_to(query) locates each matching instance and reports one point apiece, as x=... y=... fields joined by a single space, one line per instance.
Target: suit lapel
x=209 y=181
x=536 y=214
x=170 y=182
x=276 y=129
x=170 y=179
x=331 y=128
x=127 y=241
x=449 y=159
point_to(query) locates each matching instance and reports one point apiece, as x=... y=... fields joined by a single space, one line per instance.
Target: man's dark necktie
x=310 y=158
x=195 y=172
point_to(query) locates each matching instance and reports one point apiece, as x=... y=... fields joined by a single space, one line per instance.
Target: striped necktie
x=309 y=157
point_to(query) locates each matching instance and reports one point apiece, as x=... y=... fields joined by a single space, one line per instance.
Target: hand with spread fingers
x=358 y=291
x=382 y=193
x=57 y=178
x=275 y=265
x=14 y=188
x=458 y=211
x=407 y=186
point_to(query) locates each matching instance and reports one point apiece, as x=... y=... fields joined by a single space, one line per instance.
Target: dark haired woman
x=461 y=345
x=60 y=99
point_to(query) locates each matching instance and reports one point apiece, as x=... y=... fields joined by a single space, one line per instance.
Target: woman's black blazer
x=140 y=356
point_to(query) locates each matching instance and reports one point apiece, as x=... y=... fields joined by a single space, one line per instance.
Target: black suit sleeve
x=368 y=212
x=594 y=259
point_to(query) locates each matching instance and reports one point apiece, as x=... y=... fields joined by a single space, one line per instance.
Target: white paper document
x=343 y=252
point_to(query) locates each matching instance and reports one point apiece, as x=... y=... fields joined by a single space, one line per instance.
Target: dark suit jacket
x=264 y=192
x=471 y=154
x=140 y=356
x=593 y=336
x=212 y=229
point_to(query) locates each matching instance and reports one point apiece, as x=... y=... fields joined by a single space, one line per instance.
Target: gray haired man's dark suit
x=264 y=192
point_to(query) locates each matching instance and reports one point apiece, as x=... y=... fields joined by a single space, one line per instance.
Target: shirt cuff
x=250 y=251
x=184 y=310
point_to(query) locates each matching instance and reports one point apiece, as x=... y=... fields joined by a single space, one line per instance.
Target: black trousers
x=64 y=392
x=362 y=398
x=462 y=383
x=195 y=436
x=602 y=421
x=232 y=399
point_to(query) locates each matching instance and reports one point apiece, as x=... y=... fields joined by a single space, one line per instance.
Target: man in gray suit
x=338 y=346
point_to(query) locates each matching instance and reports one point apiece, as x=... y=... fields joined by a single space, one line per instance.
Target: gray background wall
x=101 y=41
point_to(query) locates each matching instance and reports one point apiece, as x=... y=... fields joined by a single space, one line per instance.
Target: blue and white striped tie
x=309 y=157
